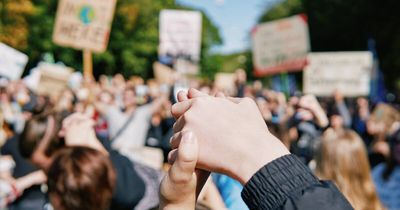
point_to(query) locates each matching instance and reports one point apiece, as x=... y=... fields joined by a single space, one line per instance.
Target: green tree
x=133 y=41
x=282 y=10
x=14 y=23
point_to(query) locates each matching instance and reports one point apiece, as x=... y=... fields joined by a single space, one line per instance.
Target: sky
x=235 y=19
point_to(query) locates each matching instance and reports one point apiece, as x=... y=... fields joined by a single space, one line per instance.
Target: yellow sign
x=84 y=24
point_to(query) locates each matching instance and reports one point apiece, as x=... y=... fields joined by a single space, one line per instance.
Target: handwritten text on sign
x=180 y=34
x=84 y=24
x=347 y=72
x=281 y=45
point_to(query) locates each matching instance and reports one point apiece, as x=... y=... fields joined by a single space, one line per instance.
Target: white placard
x=281 y=45
x=12 y=62
x=347 y=72
x=180 y=34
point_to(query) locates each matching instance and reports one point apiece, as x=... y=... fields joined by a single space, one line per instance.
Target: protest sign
x=180 y=35
x=12 y=62
x=186 y=67
x=163 y=73
x=53 y=79
x=347 y=72
x=225 y=82
x=84 y=24
x=280 y=46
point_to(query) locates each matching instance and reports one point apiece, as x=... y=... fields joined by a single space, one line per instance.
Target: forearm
x=29 y=180
x=344 y=112
x=321 y=118
x=255 y=157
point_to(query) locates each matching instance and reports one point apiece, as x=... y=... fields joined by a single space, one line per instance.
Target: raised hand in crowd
x=310 y=103
x=78 y=130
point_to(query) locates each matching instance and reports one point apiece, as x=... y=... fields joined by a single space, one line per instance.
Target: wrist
x=267 y=149
x=183 y=206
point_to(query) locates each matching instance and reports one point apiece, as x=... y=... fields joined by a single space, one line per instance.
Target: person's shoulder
x=113 y=110
x=10 y=145
x=377 y=171
x=144 y=108
x=118 y=159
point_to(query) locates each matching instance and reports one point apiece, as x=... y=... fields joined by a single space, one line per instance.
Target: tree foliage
x=281 y=10
x=133 y=40
x=14 y=23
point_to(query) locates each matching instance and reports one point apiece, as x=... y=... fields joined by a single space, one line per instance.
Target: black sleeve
x=129 y=187
x=287 y=184
x=6 y=148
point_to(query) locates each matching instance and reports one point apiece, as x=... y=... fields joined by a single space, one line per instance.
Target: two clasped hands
x=214 y=134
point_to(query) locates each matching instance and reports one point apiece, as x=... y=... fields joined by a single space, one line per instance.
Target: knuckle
x=181 y=178
x=248 y=101
x=186 y=117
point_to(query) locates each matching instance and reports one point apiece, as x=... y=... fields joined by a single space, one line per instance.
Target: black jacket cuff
x=275 y=182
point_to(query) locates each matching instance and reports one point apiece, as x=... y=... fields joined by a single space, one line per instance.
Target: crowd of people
x=107 y=144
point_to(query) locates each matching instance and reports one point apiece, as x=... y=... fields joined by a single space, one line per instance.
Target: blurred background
x=339 y=25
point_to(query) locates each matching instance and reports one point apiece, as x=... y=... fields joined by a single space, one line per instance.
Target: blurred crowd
x=351 y=141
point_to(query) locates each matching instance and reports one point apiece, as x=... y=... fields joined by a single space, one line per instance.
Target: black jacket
x=287 y=184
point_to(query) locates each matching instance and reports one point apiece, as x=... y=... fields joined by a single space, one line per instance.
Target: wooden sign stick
x=87 y=64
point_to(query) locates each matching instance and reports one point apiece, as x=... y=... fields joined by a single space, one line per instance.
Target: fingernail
x=188 y=137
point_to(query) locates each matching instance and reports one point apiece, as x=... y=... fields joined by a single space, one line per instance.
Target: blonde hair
x=343 y=159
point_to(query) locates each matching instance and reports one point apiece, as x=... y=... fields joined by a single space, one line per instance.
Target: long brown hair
x=343 y=159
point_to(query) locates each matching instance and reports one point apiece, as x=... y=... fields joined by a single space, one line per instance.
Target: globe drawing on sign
x=86 y=14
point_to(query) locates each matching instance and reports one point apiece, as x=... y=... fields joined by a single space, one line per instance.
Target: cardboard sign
x=180 y=35
x=186 y=67
x=225 y=82
x=281 y=45
x=163 y=74
x=347 y=72
x=84 y=24
x=53 y=79
x=12 y=62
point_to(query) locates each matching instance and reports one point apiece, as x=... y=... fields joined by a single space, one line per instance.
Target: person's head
x=129 y=97
x=118 y=81
x=81 y=178
x=241 y=76
x=106 y=97
x=104 y=81
x=382 y=119
x=336 y=120
x=362 y=102
x=343 y=159
x=39 y=139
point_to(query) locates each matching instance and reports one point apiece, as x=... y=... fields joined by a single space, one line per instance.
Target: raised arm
x=311 y=103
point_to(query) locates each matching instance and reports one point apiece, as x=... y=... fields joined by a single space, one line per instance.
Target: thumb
x=183 y=168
